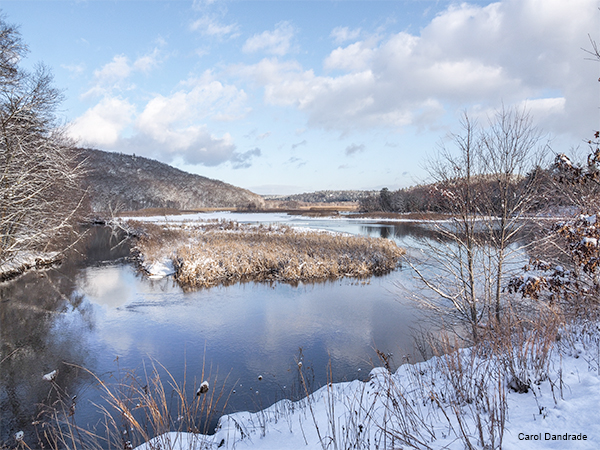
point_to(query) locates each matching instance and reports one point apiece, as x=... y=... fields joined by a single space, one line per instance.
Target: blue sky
x=296 y=96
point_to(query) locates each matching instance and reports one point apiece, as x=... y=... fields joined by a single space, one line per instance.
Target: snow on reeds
x=227 y=252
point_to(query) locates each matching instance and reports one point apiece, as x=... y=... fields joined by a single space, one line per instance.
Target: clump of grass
x=225 y=253
x=138 y=410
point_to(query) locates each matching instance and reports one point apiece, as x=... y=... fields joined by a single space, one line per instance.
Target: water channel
x=101 y=314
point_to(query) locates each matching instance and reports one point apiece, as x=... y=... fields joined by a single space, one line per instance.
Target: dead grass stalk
x=225 y=253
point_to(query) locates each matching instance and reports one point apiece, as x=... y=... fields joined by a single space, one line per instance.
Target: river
x=99 y=314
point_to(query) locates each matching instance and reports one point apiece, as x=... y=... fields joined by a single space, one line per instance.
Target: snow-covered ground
x=164 y=266
x=259 y=218
x=26 y=260
x=212 y=216
x=419 y=407
x=160 y=269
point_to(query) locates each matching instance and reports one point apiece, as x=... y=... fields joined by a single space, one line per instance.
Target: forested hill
x=324 y=196
x=125 y=182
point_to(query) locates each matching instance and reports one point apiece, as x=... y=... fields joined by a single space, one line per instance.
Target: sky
x=284 y=97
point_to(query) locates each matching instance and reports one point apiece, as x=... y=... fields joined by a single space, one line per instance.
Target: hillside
x=125 y=182
x=323 y=196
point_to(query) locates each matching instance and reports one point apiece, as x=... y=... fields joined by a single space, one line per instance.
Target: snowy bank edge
x=541 y=412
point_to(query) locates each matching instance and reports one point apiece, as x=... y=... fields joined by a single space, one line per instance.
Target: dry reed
x=228 y=252
x=138 y=410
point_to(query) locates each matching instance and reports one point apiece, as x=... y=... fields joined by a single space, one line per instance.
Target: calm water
x=102 y=315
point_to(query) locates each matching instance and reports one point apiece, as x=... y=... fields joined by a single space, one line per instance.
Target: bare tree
x=511 y=153
x=487 y=182
x=40 y=174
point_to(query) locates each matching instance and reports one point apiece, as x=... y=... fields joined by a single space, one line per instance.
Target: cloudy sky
x=296 y=96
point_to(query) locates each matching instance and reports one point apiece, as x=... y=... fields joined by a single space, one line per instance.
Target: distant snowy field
x=256 y=218
x=217 y=215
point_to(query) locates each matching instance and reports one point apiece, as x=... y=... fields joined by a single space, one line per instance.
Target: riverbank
x=225 y=252
x=462 y=399
x=27 y=261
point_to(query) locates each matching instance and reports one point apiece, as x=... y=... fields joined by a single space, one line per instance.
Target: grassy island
x=227 y=252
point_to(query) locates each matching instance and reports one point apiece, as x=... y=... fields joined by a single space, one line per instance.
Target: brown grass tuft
x=227 y=252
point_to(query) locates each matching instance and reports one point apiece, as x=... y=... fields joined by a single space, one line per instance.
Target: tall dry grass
x=225 y=253
x=153 y=409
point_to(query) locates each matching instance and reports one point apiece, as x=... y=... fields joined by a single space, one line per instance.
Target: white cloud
x=468 y=55
x=210 y=26
x=113 y=75
x=548 y=113
x=75 y=69
x=299 y=144
x=202 y=4
x=172 y=122
x=298 y=162
x=355 y=148
x=170 y=127
x=343 y=34
x=276 y=42
x=262 y=136
x=115 y=71
x=243 y=160
x=101 y=125
x=193 y=144
x=356 y=56
x=147 y=62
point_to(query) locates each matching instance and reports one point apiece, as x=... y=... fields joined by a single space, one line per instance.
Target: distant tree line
x=327 y=196
x=438 y=197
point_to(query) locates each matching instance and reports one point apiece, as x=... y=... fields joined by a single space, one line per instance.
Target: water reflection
x=399 y=231
x=46 y=325
x=35 y=339
x=100 y=314
x=108 y=286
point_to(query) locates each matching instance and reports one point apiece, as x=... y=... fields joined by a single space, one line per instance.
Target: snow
x=564 y=159
x=593 y=242
x=27 y=259
x=203 y=388
x=558 y=412
x=159 y=269
x=50 y=376
x=211 y=217
x=204 y=218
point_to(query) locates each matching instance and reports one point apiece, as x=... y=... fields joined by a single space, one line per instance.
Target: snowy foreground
x=420 y=406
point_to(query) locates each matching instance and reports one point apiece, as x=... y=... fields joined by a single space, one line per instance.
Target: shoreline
x=320 y=213
x=30 y=261
x=423 y=403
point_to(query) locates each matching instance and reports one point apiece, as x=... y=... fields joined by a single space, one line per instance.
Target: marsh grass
x=152 y=409
x=228 y=252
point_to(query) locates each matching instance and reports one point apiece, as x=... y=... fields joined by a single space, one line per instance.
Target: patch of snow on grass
x=160 y=269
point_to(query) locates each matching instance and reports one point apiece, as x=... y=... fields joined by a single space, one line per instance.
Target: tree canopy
x=40 y=175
